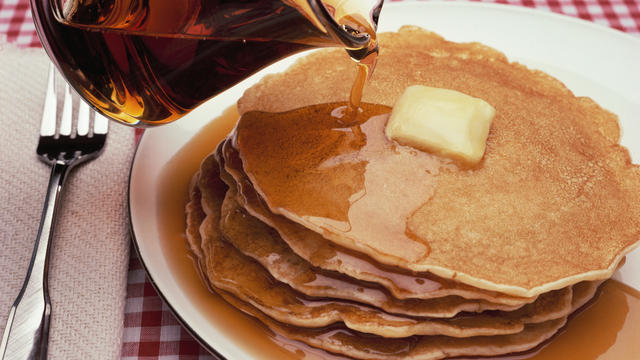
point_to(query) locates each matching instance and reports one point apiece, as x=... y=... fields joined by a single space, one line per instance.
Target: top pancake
x=555 y=196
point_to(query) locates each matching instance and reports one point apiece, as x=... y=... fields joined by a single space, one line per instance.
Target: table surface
x=150 y=329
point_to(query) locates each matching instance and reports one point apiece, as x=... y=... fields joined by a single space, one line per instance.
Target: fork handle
x=27 y=330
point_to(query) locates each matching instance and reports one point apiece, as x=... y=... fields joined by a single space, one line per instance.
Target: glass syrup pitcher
x=149 y=62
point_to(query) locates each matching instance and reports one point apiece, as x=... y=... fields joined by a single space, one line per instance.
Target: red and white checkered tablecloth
x=151 y=331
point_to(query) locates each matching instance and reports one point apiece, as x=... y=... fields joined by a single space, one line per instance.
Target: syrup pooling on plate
x=347 y=172
x=608 y=328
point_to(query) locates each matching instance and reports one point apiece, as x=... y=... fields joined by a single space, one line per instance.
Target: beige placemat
x=90 y=250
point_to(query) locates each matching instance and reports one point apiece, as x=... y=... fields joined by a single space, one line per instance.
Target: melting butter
x=442 y=121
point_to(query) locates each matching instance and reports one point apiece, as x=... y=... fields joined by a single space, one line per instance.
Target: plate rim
x=185 y=325
x=437 y=3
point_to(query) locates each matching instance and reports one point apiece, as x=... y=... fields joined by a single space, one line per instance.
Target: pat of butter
x=442 y=121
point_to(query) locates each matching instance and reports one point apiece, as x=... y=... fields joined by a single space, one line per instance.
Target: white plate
x=591 y=60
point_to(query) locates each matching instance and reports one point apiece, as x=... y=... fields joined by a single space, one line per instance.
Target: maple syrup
x=347 y=173
x=252 y=335
x=149 y=63
x=608 y=328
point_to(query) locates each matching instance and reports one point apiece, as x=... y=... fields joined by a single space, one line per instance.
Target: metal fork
x=27 y=330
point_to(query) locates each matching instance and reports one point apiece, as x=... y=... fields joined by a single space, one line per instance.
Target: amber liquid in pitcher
x=156 y=78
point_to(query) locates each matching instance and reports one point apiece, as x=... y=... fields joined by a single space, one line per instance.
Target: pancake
x=554 y=197
x=323 y=254
x=260 y=242
x=340 y=340
x=229 y=270
x=344 y=341
x=237 y=274
x=195 y=217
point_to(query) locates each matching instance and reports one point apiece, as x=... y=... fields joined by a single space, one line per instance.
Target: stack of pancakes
x=337 y=237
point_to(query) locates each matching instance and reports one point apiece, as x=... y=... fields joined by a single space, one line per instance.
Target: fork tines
x=62 y=138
